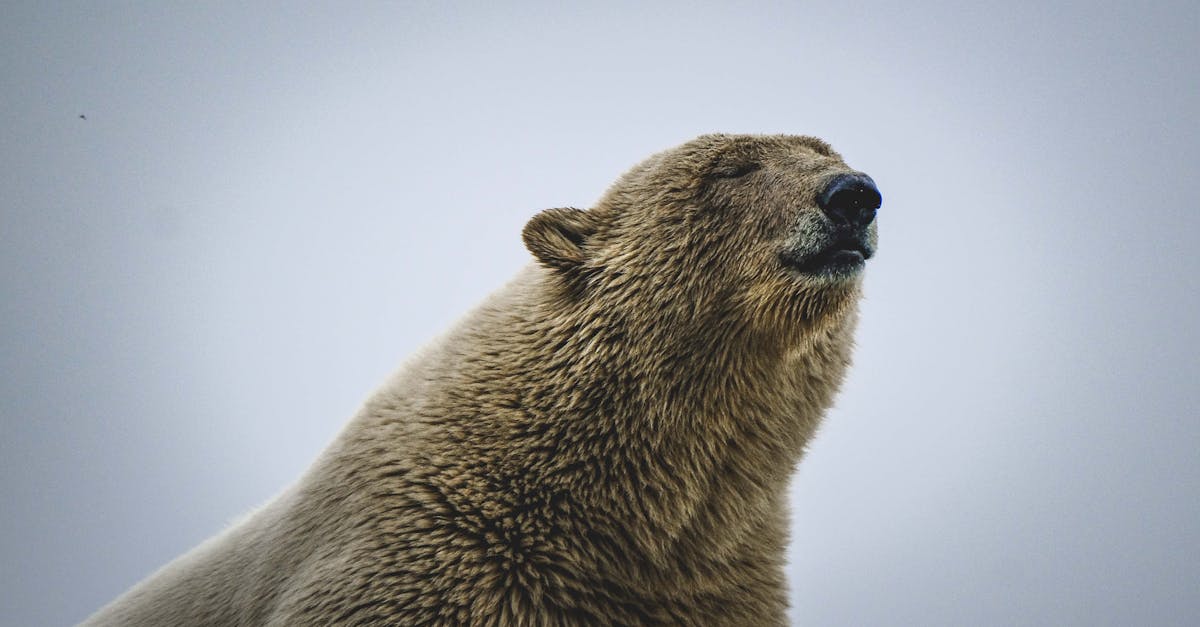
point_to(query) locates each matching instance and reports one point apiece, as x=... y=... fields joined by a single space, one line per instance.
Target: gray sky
x=267 y=208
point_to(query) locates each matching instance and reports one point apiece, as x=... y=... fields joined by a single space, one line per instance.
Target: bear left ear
x=556 y=237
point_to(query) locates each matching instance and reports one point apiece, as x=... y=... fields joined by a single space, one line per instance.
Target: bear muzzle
x=839 y=239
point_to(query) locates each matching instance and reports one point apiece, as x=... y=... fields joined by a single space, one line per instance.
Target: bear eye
x=733 y=170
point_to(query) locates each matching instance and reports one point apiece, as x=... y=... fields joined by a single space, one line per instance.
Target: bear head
x=747 y=233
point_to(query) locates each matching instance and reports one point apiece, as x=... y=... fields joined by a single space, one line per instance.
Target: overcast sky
x=268 y=207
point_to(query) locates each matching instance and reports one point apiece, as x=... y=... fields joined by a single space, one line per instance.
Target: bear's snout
x=841 y=237
x=850 y=200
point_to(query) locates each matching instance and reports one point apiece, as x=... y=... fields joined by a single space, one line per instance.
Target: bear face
x=768 y=233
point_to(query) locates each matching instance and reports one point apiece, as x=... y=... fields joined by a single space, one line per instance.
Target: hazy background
x=269 y=207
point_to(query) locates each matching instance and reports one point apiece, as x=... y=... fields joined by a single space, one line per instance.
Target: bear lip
x=842 y=255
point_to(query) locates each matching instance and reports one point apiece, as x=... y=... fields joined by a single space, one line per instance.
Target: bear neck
x=691 y=430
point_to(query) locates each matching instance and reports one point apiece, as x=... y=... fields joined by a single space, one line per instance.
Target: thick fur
x=606 y=440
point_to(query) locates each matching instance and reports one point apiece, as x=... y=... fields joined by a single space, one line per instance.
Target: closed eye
x=734 y=170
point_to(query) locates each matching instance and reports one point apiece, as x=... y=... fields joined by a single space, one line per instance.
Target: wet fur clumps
x=608 y=439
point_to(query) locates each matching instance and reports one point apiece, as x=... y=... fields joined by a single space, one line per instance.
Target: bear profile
x=606 y=440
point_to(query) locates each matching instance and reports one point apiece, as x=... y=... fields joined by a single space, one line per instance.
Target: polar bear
x=605 y=440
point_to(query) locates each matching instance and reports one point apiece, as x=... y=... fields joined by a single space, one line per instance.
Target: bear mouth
x=843 y=256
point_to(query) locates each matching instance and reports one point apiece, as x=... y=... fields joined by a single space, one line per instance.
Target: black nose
x=850 y=200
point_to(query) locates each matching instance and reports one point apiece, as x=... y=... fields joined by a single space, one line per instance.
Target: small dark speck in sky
x=82 y=116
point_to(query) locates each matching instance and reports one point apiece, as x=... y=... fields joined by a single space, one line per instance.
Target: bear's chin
x=833 y=271
x=837 y=263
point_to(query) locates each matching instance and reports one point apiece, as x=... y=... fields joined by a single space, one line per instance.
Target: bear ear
x=556 y=237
